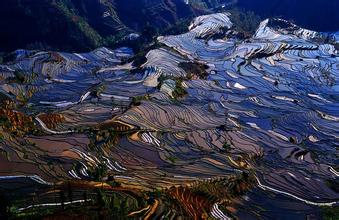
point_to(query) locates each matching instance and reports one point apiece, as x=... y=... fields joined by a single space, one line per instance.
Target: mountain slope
x=83 y=24
x=62 y=24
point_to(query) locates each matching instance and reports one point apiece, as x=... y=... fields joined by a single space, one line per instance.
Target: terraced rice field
x=258 y=134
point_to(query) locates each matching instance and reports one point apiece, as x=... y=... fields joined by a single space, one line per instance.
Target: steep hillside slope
x=84 y=24
x=62 y=24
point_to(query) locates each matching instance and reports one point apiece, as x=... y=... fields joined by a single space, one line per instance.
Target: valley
x=203 y=124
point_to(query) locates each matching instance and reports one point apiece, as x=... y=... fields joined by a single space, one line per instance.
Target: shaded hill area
x=80 y=25
x=44 y=23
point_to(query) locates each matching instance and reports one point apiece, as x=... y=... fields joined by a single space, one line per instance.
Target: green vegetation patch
x=229 y=188
x=179 y=90
x=136 y=101
x=194 y=69
x=245 y=22
x=330 y=213
x=91 y=36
